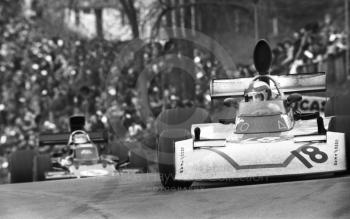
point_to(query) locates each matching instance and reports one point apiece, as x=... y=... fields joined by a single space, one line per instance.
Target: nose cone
x=262 y=57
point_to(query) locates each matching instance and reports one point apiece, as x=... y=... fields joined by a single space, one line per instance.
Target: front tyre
x=42 y=164
x=166 y=158
x=138 y=160
x=342 y=124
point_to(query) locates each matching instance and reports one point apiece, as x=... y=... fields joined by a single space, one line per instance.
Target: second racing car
x=75 y=154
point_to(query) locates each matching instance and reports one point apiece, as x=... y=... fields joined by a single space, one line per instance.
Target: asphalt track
x=140 y=196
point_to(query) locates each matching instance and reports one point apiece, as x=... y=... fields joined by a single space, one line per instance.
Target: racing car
x=265 y=137
x=74 y=155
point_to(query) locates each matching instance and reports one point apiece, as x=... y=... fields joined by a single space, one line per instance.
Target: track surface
x=140 y=196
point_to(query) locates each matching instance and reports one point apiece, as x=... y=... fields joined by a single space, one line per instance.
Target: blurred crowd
x=46 y=79
x=310 y=46
x=305 y=51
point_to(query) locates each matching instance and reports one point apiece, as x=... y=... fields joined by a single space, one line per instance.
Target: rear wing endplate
x=299 y=83
x=62 y=138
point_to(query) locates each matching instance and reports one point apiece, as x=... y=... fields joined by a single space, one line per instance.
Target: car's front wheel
x=138 y=160
x=166 y=157
x=42 y=164
x=342 y=124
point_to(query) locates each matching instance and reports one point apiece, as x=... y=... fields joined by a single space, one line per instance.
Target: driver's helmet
x=257 y=91
x=80 y=138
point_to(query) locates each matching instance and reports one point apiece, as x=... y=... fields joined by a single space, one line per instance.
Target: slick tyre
x=175 y=125
x=342 y=124
x=181 y=118
x=166 y=158
x=21 y=166
x=138 y=160
x=42 y=164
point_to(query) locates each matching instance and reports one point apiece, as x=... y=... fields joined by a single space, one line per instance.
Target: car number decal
x=314 y=153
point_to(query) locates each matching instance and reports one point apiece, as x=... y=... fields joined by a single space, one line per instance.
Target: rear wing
x=300 y=83
x=62 y=138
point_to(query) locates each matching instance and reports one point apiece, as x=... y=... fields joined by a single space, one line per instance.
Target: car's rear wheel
x=166 y=157
x=42 y=164
x=21 y=166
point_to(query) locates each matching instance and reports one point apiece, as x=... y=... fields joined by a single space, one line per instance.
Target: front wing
x=83 y=171
x=256 y=159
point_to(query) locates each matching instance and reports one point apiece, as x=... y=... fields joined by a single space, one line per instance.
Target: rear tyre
x=21 y=166
x=42 y=164
x=166 y=158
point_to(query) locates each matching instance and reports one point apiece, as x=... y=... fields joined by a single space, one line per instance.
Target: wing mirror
x=293 y=98
x=229 y=102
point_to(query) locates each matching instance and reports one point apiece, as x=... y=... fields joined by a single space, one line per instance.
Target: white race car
x=265 y=138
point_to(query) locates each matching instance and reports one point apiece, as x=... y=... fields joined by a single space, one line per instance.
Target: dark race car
x=67 y=155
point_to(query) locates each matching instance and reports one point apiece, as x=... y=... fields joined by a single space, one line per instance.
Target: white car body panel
x=272 y=154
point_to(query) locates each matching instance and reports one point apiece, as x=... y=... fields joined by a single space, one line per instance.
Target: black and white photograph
x=174 y=109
